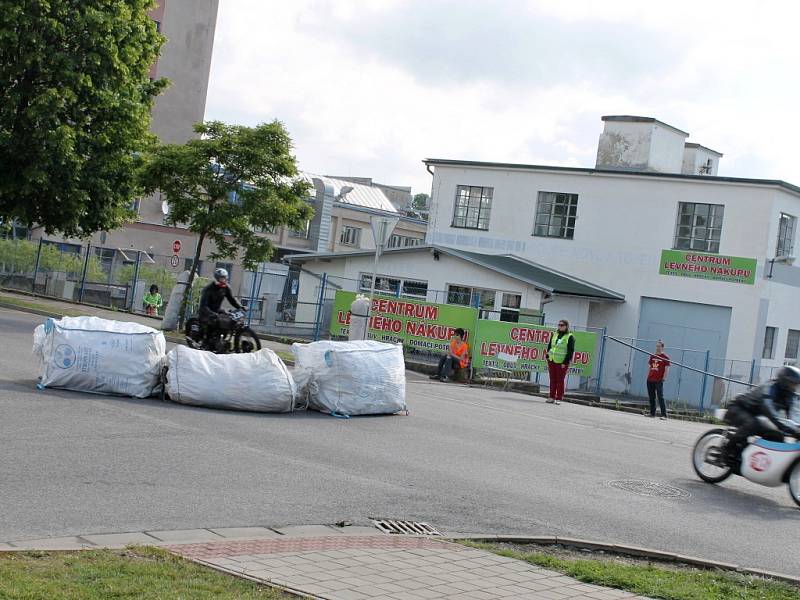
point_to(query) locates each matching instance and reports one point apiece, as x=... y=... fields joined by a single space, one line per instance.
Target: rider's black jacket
x=212 y=298
x=770 y=400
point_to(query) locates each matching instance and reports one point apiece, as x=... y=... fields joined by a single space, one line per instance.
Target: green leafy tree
x=420 y=202
x=19 y=256
x=163 y=277
x=229 y=184
x=75 y=100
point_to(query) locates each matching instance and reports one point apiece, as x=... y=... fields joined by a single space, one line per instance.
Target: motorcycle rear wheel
x=246 y=341
x=794 y=482
x=708 y=457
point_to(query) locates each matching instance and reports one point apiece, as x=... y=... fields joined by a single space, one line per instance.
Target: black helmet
x=788 y=376
x=220 y=273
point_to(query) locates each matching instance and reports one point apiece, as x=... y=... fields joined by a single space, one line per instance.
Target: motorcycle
x=762 y=461
x=230 y=336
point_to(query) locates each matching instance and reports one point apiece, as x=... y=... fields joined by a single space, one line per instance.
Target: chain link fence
x=119 y=278
x=696 y=380
x=107 y=277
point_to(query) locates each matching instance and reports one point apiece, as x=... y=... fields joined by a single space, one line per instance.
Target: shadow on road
x=748 y=503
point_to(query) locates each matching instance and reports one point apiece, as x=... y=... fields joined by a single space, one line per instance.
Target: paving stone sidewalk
x=384 y=567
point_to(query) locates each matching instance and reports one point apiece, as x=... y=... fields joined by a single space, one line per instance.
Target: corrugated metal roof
x=538 y=275
x=534 y=274
x=364 y=196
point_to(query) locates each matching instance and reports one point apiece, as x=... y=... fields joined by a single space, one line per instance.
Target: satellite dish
x=165 y=208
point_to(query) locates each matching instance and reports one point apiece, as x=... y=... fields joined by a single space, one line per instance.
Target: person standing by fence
x=559 y=354
x=656 y=374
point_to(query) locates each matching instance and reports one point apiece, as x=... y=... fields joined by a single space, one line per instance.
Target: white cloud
x=372 y=88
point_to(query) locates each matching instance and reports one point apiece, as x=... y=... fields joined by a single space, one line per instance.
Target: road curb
x=657 y=555
x=320 y=531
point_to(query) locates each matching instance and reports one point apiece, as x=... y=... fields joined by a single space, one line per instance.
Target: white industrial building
x=607 y=226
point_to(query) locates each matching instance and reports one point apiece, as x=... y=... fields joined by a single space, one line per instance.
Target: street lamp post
x=382 y=228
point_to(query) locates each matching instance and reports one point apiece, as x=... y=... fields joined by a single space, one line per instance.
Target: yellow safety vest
x=558 y=351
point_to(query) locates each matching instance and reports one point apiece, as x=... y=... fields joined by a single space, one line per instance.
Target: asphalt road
x=466 y=460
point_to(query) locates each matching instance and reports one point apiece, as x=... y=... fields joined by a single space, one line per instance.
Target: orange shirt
x=461 y=350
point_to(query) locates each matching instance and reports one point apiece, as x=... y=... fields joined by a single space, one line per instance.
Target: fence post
x=252 y=298
x=36 y=266
x=135 y=279
x=318 y=319
x=600 y=361
x=705 y=380
x=85 y=269
x=752 y=371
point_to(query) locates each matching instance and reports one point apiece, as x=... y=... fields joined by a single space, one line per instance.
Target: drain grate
x=404 y=527
x=649 y=489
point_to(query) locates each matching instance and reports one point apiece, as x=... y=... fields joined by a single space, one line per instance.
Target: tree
x=227 y=185
x=420 y=202
x=19 y=256
x=75 y=100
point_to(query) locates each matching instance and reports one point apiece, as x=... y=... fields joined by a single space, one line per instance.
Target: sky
x=370 y=88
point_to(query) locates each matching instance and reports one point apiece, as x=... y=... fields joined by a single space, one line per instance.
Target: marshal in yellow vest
x=558 y=352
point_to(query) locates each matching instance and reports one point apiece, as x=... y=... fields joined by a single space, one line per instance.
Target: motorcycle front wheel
x=246 y=341
x=794 y=482
x=708 y=457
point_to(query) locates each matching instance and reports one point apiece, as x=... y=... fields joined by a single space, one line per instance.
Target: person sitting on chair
x=457 y=357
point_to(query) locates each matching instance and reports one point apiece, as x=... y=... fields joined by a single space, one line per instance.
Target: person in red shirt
x=458 y=357
x=656 y=374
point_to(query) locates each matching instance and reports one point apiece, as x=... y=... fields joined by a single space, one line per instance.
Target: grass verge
x=655 y=580
x=285 y=355
x=137 y=572
x=37 y=306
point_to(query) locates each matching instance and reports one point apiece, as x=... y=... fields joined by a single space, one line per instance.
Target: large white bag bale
x=90 y=354
x=362 y=377
x=256 y=381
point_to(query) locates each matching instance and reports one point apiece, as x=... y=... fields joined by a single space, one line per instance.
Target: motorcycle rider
x=211 y=303
x=775 y=400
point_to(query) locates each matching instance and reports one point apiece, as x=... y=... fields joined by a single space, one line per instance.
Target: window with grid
x=458 y=294
x=769 y=343
x=300 y=233
x=383 y=284
x=391 y=285
x=555 y=215
x=792 y=344
x=786 y=228
x=473 y=207
x=699 y=227
x=187 y=265
x=403 y=241
x=350 y=236
x=509 y=308
x=472 y=296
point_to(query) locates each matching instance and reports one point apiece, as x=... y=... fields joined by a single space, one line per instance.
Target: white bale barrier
x=90 y=354
x=256 y=381
x=351 y=378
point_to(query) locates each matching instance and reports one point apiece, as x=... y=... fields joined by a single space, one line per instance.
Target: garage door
x=688 y=330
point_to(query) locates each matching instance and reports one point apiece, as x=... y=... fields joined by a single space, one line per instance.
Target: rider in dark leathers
x=774 y=400
x=211 y=302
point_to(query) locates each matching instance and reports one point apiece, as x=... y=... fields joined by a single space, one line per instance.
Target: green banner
x=413 y=323
x=529 y=343
x=685 y=263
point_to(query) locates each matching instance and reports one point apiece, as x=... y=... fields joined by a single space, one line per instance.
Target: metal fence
x=119 y=278
x=114 y=278
x=696 y=380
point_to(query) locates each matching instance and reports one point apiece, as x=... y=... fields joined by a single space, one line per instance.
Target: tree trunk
x=197 y=253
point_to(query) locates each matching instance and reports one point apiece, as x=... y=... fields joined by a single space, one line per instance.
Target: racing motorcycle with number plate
x=231 y=335
x=762 y=461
